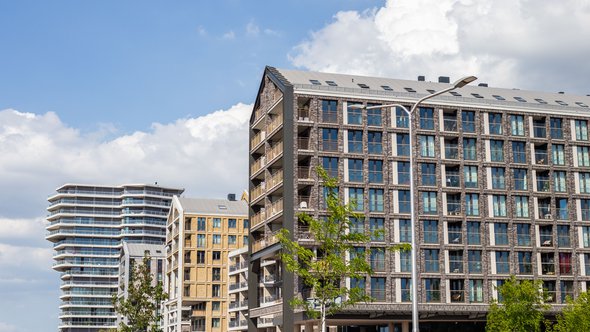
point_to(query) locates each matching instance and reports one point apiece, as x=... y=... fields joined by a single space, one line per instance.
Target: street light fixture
x=414 y=288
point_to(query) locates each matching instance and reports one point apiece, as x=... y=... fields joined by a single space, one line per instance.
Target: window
x=451 y=148
x=246 y=223
x=377 y=229
x=215 y=305
x=375 y=171
x=231 y=223
x=581 y=128
x=472 y=204
x=355 y=141
x=401 y=118
x=525 y=262
x=539 y=128
x=231 y=239
x=403 y=144
x=559 y=184
x=470 y=176
x=473 y=233
x=518 y=152
x=586 y=236
x=522 y=206
x=520 y=99
x=201 y=241
x=216 y=322
x=386 y=88
x=403 y=172
x=430 y=231
x=355 y=198
x=216 y=255
x=452 y=176
x=358 y=283
x=583 y=156
x=497 y=150
x=374 y=117
x=546 y=235
x=375 y=142
x=469 y=149
x=547 y=263
x=457 y=290
x=499 y=205
x=495 y=123
x=330 y=164
x=474 y=261
x=456 y=261
x=329 y=139
x=567 y=290
x=355 y=115
x=426 y=145
x=502 y=262
x=450 y=121
x=216 y=222
x=475 y=291
x=584 y=182
x=200 y=257
x=378 y=289
x=377 y=259
x=315 y=82
x=454 y=204
x=468 y=121
x=216 y=238
x=357 y=225
x=498 y=97
x=563 y=236
x=523 y=234
x=363 y=86
x=201 y=224
x=376 y=200
x=406 y=289
x=405 y=231
x=331 y=83
x=498 y=178
x=428 y=174
x=330 y=111
x=426 y=118
x=558 y=155
x=517 y=125
x=245 y=240
x=501 y=234
x=404 y=201
x=543 y=181
x=431 y=263
x=355 y=170
x=216 y=290
x=429 y=201
x=432 y=287
x=556 y=128
x=520 y=179
x=216 y=274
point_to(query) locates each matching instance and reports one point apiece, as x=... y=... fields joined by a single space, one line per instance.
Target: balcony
x=238 y=266
x=456 y=266
x=258 y=114
x=303 y=114
x=303 y=143
x=236 y=323
x=275 y=123
x=454 y=208
x=257 y=164
x=257 y=191
x=269 y=299
x=276 y=208
x=234 y=286
x=257 y=139
x=451 y=151
x=450 y=124
x=258 y=218
x=275 y=151
x=541 y=157
x=304 y=172
x=264 y=242
x=275 y=179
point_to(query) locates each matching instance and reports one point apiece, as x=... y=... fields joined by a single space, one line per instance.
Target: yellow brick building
x=199 y=235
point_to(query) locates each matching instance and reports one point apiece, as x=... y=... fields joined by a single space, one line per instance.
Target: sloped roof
x=213 y=206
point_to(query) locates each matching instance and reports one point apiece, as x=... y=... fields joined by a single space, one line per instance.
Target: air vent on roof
x=522 y=100
x=315 y=82
x=363 y=86
x=561 y=102
x=561 y=92
x=421 y=78
x=483 y=84
x=540 y=101
x=455 y=93
x=430 y=91
x=222 y=207
x=477 y=95
x=581 y=104
x=444 y=79
x=231 y=197
x=410 y=90
x=498 y=97
x=386 y=88
x=331 y=83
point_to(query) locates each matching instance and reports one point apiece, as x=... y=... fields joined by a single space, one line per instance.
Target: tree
x=323 y=267
x=141 y=306
x=521 y=309
x=575 y=316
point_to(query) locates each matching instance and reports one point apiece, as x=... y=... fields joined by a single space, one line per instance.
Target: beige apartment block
x=199 y=235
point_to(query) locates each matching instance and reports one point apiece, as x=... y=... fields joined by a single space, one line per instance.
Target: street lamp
x=414 y=291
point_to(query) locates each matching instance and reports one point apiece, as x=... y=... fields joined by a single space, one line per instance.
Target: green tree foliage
x=575 y=316
x=324 y=267
x=140 y=308
x=521 y=309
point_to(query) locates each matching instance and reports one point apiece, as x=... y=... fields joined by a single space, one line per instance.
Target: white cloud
x=509 y=43
x=252 y=29
x=201 y=31
x=25 y=257
x=5 y=327
x=229 y=35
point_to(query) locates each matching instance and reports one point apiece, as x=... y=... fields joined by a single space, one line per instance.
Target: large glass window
x=355 y=198
x=584 y=182
x=330 y=139
x=523 y=234
x=558 y=154
x=517 y=125
x=522 y=206
x=405 y=261
x=404 y=201
x=585 y=206
x=429 y=202
x=377 y=259
x=374 y=116
x=473 y=233
x=357 y=225
x=502 y=262
x=581 y=128
x=497 y=150
x=355 y=115
x=431 y=263
x=375 y=142
x=403 y=144
x=468 y=121
x=469 y=149
x=470 y=176
x=403 y=172
x=501 y=234
x=586 y=236
x=539 y=128
x=406 y=288
x=518 y=152
x=330 y=164
x=201 y=223
x=375 y=171
x=426 y=145
x=450 y=121
x=355 y=141
x=456 y=261
x=330 y=111
x=378 y=288
x=472 y=204
x=401 y=118
x=559 y=184
x=474 y=261
x=430 y=231
x=498 y=178
x=426 y=118
x=405 y=231
x=499 y=205
x=562 y=210
x=520 y=179
x=476 y=291
x=428 y=174
x=432 y=287
x=376 y=200
x=563 y=236
x=525 y=262
x=556 y=128
x=583 y=156
x=495 y=123
x=355 y=170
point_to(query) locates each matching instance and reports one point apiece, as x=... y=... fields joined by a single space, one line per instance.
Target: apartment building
x=200 y=233
x=502 y=182
x=238 y=289
x=87 y=225
x=133 y=254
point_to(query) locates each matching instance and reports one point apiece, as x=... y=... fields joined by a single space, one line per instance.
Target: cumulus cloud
x=510 y=43
x=229 y=35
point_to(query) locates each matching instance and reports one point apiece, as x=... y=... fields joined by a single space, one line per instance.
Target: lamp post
x=414 y=291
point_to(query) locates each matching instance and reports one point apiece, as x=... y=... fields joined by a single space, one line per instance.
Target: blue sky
x=114 y=92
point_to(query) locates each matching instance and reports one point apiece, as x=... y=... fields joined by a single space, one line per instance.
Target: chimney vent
x=231 y=197
x=421 y=78
x=483 y=84
x=444 y=79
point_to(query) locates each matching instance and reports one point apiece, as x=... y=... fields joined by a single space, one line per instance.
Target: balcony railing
x=258 y=164
x=541 y=157
x=258 y=113
x=451 y=152
x=238 y=266
x=242 y=284
x=304 y=172
x=264 y=242
x=257 y=191
x=303 y=114
x=276 y=207
x=539 y=131
x=257 y=139
x=304 y=202
x=455 y=237
x=456 y=266
x=258 y=218
x=303 y=143
x=275 y=151
x=275 y=178
x=275 y=123
x=450 y=124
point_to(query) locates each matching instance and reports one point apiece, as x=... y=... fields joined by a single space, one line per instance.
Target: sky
x=115 y=92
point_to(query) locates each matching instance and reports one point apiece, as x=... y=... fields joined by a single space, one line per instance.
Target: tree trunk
x=323 y=314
